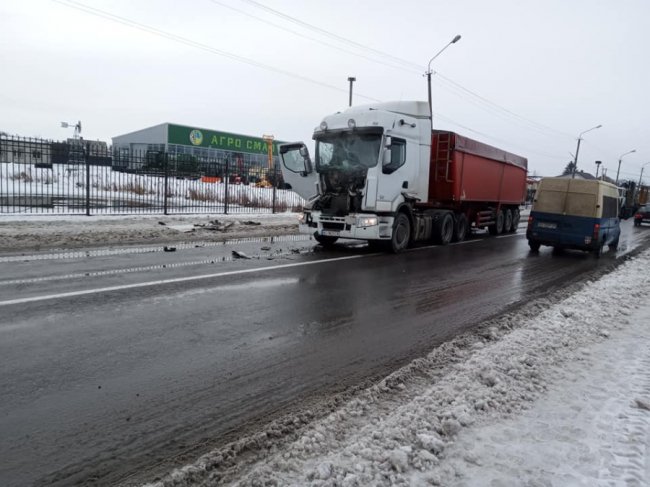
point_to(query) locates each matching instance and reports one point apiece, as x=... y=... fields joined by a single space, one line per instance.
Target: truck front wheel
x=324 y=240
x=401 y=233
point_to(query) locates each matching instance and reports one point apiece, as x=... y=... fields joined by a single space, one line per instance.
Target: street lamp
x=575 y=162
x=619 y=163
x=428 y=73
x=351 y=79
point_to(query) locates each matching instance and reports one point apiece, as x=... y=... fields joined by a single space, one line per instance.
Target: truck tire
x=461 y=228
x=516 y=218
x=444 y=229
x=534 y=245
x=324 y=240
x=401 y=233
x=507 y=224
x=497 y=227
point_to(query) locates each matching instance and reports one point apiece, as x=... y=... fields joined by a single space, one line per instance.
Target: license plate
x=547 y=225
x=330 y=233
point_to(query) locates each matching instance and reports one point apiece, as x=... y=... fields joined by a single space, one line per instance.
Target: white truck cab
x=369 y=162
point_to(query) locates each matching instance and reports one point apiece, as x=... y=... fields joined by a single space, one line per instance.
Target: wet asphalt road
x=116 y=361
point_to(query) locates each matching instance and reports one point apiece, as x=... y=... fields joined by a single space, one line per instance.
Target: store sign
x=181 y=135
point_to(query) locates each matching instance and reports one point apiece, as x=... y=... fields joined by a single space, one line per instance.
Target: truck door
x=398 y=172
x=297 y=169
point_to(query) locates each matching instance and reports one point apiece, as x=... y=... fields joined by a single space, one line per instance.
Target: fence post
x=275 y=185
x=166 y=190
x=225 y=199
x=86 y=159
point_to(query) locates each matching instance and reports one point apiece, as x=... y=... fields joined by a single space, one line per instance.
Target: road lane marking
x=172 y=281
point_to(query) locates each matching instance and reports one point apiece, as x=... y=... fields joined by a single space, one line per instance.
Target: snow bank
x=52 y=232
x=520 y=402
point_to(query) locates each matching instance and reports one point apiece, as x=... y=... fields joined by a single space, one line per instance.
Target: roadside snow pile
x=440 y=419
x=48 y=232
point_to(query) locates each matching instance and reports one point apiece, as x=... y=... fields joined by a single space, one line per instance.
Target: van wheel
x=507 y=225
x=461 y=228
x=599 y=250
x=516 y=218
x=534 y=245
x=401 y=234
x=444 y=229
x=614 y=244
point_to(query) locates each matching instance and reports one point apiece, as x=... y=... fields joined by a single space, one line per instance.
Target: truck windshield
x=347 y=150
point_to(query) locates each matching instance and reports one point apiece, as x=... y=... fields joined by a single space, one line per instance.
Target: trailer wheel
x=401 y=234
x=507 y=224
x=324 y=240
x=534 y=245
x=516 y=218
x=497 y=227
x=461 y=228
x=444 y=229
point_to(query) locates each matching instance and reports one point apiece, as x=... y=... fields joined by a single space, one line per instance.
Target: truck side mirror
x=388 y=141
x=304 y=152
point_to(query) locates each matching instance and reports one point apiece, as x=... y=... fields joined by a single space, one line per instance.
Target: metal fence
x=39 y=177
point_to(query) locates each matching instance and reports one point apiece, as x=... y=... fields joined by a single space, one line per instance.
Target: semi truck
x=381 y=174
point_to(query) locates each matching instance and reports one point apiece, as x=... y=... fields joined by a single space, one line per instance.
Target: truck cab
x=369 y=162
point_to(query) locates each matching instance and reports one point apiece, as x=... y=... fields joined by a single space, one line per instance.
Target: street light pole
x=619 y=163
x=598 y=163
x=351 y=79
x=428 y=73
x=575 y=162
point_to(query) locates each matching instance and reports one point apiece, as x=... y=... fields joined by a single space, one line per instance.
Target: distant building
x=25 y=151
x=209 y=148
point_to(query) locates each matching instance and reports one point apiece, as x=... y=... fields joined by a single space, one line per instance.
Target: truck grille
x=333 y=226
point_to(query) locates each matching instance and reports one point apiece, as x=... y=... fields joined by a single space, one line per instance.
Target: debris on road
x=250 y=222
x=169 y=249
x=239 y=255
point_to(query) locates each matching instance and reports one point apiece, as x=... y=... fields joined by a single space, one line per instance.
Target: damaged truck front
x=380 y=174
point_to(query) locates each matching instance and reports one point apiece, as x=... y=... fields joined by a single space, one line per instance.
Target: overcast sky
x=527 y=76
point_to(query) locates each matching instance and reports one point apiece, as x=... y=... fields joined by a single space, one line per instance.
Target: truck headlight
x=367 y=221
x=302 y=218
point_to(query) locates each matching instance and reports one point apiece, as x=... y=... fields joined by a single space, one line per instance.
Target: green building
x=209 y=148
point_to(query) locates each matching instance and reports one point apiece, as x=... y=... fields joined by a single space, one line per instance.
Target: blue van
x=574 y=214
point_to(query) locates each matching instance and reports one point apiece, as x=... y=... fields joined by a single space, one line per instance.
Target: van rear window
x=610 y=207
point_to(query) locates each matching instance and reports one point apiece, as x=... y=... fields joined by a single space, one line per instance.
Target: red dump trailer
x=477 y=181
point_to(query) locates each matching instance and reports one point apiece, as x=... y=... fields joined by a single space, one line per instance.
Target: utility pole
x=598 y=163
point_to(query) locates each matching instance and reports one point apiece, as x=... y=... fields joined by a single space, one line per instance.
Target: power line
x=497 y=139
x=198 y=45
x=495 y=107
x=320 y=41
x=332 y=35
x=504 y=110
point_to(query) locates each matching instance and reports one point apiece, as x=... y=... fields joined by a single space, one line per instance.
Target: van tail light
x=530 y=222
x=596 y=231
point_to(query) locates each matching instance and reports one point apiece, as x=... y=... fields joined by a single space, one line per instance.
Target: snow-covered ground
x=554 y=394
